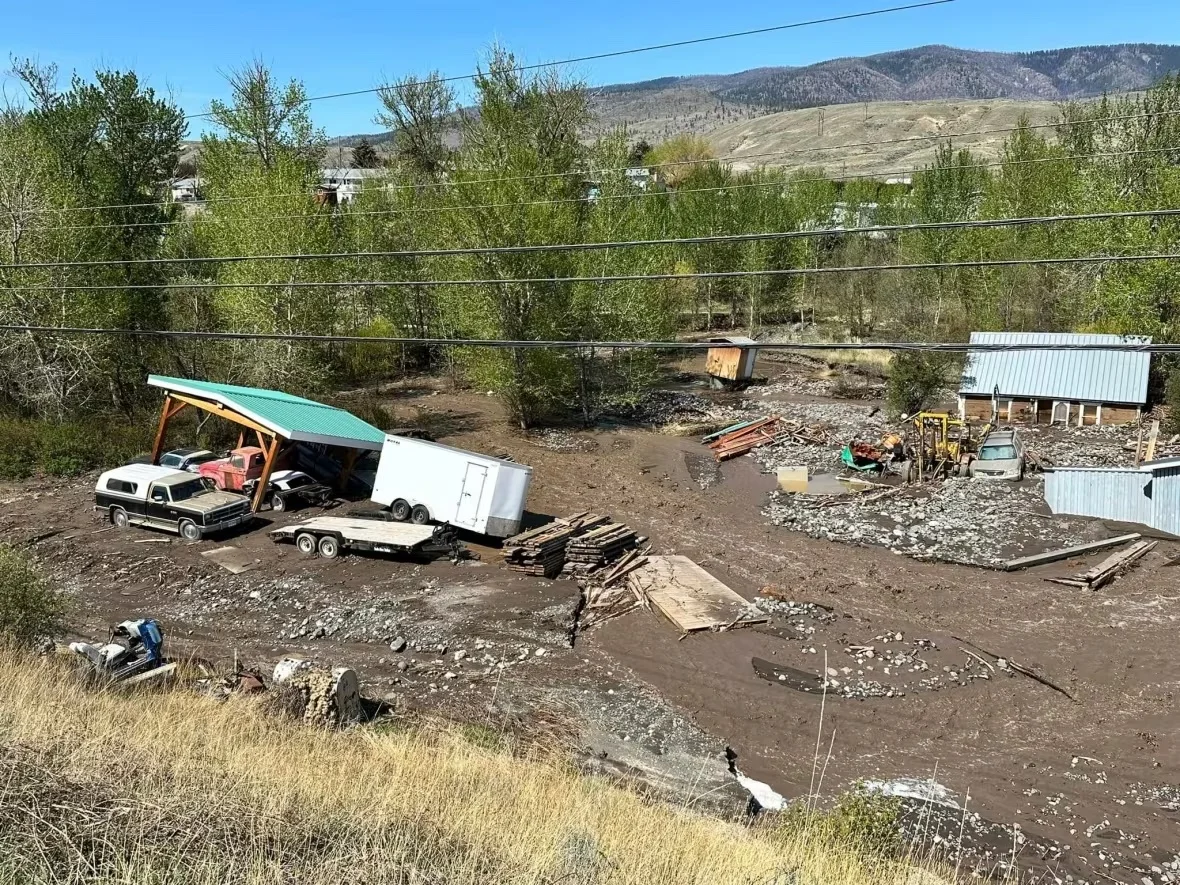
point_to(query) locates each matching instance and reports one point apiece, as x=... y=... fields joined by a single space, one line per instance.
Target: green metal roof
x=291 y=417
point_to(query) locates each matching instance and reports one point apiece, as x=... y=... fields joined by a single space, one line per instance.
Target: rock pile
x=960 y=520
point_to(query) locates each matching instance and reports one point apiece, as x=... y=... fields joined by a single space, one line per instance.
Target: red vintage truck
x=236 y=468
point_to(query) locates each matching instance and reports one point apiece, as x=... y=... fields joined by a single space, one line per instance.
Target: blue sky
x=354 y=46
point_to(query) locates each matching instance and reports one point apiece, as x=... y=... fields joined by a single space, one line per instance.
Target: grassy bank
x=99 y=787
x=30 y=447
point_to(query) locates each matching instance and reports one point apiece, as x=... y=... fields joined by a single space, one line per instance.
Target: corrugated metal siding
x=1075 y=375
x=1118 y=495
x=1166 y=499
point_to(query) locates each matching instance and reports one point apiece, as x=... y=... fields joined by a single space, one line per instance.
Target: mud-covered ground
x=909 y=662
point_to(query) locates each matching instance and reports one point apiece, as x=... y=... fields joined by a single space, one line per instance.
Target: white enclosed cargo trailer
x=424 y=481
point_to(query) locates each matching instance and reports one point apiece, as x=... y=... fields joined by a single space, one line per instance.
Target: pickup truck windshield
x=997 y=453
x=185 y=490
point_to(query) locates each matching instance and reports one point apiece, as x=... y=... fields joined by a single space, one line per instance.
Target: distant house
x=1055 y=386
x=346 y=182
x=186 y=190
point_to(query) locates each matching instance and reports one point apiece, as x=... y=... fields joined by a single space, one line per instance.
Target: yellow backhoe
x=941 y=444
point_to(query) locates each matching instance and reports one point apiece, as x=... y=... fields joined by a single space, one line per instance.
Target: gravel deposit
x=973 y=522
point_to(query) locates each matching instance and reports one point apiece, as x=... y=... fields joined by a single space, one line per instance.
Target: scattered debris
x=135 y=649
x=1107 y=570
x=1067 y=552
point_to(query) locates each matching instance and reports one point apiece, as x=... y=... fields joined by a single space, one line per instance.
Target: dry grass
x=169 y=787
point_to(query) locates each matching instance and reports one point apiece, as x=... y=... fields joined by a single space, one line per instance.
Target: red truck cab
x=231 y=472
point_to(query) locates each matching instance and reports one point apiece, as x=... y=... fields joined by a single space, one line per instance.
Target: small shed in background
x=730 y=361
x=1055 y=386
x=1148 y=495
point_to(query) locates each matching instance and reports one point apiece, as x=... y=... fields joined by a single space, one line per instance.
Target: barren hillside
x=834 y=138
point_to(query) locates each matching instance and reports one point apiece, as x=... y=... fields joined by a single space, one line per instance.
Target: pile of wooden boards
x=540 y=551
x=578 y=544
x=599 y=545
x=749 y=435
x=1110 y=568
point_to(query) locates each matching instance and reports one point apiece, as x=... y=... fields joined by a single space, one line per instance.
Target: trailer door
x=473 y=484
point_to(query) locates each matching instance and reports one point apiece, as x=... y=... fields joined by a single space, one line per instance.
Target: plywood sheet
x=233 y=559
x=689 y=596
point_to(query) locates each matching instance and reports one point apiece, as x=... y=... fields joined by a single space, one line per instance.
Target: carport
x=275 y=418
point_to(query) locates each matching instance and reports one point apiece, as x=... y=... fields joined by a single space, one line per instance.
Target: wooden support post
x=167 y=413
x=350 y=459
x=268 y=467
x=261 y=440
x=241 y=439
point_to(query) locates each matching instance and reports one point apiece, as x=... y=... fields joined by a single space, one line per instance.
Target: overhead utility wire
x=635 y=278
x=730 y=158
x=907 y=346
x=605 y=245
x=784 y=183
x=637 y=50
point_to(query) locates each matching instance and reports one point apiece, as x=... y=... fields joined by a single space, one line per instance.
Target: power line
x=635 y=278
x=598 y=246
x=731 y=158
x=1128 y=346
x=635 y=51
x=679 y=193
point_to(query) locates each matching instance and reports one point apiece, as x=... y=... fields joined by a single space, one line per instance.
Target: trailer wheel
x=119 y=517
x=305 y=541
x=400 y=509
x=329 y=547
x=420 y=515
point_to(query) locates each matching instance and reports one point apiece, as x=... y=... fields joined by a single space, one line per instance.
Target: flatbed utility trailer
x=329 y=535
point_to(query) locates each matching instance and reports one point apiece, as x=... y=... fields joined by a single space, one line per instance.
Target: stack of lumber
x=749 y=435
x=542 y=551
x=1110 y=568
x=594 y=547
x=539 y=551
x=742 y=438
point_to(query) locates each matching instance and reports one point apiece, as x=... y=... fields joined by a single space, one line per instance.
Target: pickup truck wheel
x=306 y=543
x=329 y=547
x=277 y=504
x=400 y=510
x=419 y=515
x=189 y=530
x=119 y=517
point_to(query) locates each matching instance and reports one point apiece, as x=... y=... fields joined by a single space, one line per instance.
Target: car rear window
x=298 y=482
x=170 y=461
x=997 y=453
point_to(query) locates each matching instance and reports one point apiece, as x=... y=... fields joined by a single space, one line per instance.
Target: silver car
x=1000 y=457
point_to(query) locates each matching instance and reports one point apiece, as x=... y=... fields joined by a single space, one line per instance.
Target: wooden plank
x=1066 y=553
x=1152 y=437
x=688 y=596
x=725 y=430
x=1107 y=570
